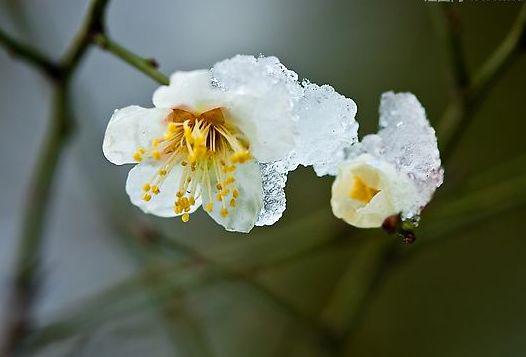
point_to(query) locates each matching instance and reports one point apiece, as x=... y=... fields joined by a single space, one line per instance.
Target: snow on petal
x=142 y=193
x=274 y=177
x=327 y=129
x=261 y=97
x=406 y=144
x=129 y=129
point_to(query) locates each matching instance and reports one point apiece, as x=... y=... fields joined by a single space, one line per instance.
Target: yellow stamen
x=207 y=148
x=361 y=192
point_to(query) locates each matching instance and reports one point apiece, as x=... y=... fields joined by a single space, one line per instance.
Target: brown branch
x=29 y=55
x=25 y=288
x=459 y=115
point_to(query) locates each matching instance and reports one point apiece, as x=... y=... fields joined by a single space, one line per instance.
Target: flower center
x=360 y=191
x=208 y=148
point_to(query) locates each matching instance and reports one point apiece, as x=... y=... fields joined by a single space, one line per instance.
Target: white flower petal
x=396 y=191
x=243 y=216
x=130 y=128
x=408 y=143
x=161 y=204
x=261 y=95
x=191 y=90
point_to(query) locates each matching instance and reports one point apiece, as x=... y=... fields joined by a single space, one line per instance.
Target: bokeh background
x=111 y=287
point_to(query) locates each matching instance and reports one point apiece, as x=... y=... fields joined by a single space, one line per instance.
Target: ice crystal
x=408 y=142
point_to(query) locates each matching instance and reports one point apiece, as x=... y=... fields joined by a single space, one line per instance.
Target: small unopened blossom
x=395 y=171
x=215 y=138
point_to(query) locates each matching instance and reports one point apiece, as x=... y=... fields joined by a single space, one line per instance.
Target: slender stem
x=29 y=54
x=454 y=41
x=28 y=259
x=456 y=120
x=146 y=66
x=94 y=23
x=24 y=289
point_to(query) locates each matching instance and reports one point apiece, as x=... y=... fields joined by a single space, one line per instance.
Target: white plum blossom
x=395 y=171
x=225 y=139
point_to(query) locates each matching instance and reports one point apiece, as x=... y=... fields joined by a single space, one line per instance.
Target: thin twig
x=29 y=54
x=146 y=66
x=24 y=286
x=457 y=119
x=94 y=23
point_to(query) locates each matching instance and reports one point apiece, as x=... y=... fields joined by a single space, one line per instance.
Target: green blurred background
x=115 y=282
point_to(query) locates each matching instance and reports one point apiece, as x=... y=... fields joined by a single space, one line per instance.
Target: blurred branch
x=453 y=33
x=146 y=66
x=459 y=114
x=227 y=273
x=28 y=259
x=118 y=301
x=24 y=289
x=472 y=209
x=29 y=54
x=94 y=23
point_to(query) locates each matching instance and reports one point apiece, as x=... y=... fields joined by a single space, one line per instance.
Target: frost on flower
x=225 y=139
x=394 y=171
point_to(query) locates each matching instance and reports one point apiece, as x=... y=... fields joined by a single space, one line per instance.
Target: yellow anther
x=184 y=163
x=155 y=142
x=155 y=189
x=230 y=168
x=230 y=180
x=192 y=201
x=241 y=156
x=224 y=212
x=146 y=187
x=233 y=202
x=179 y=194
x=209 y=207
x=146 y=197
x=178 y=209
x=235 y=193
x=137 y=156
x=162 y=172
x=225 y=192
x=186 y=209
x=219 y=187
x=185 y=217
x=156 y=155
x=219 y=197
